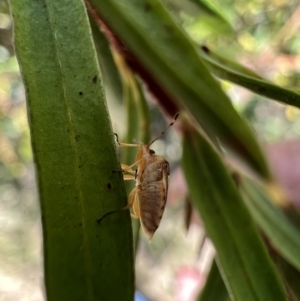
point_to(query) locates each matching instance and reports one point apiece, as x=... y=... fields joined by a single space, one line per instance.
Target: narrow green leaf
x=139 y=117
x=283 y=235
x=214 y=289
x=242 y=76
x=74 y=153
x=245 y=265
x=211 y=55
x=128 y=154
x=172 y=59
x=291 y=276
x=111 y=77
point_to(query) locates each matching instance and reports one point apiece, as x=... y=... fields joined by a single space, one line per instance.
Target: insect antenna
x=173 y=121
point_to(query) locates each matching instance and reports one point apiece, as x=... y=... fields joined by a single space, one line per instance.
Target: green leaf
x=75 y=155
x=128 y=154
x=215 y=13
x=235 y=73
x=214 y=289
x=172 y=59
x=245 y=265
x=291 y=277
x=197 y=15
x=283 y=235
x=209 y=55
x=111 y=77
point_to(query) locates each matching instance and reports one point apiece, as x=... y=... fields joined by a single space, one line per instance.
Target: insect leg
x=128 y=177
x=136 y=207
x=127 y=168
x=130 y=201
x=125 y=144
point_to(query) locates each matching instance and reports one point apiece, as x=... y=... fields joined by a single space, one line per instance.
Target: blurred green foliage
x=261 y=34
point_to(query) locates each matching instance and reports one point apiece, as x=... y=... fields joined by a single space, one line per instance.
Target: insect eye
x=152 y=151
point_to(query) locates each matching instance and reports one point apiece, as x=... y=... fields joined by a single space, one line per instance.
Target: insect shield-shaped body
x=149 y=196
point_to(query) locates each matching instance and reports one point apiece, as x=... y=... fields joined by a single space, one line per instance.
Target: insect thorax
x=154 y=170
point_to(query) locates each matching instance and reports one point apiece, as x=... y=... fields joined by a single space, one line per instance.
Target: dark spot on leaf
x=80 y=224
x=109 y=186
x=95 y=79
x=205 y=49
x=80 y=93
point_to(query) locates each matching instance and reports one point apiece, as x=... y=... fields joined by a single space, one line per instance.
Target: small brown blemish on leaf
x=95 y=79
x=109 y=186
x=80 y=93
x=205 y=49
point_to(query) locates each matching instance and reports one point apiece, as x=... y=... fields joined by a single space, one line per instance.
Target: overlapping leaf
x=235 y=73
x=245 y=265
x=149 y=32
x=283 y=235
x=214 y=289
